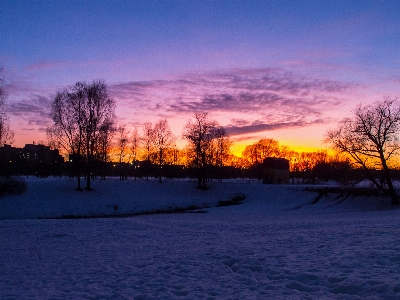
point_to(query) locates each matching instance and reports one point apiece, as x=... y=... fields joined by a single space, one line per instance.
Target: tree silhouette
x=200 y=133
x=162 y=140
x=370 y=138
x=257 y=152
x=6 y=134
x=80 y=114
x=67 y=130
x=122 y=145
x=147 y=141
x=107 y=132
x=135 y=146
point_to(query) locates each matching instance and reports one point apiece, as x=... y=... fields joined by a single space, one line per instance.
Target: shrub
x=12 y=186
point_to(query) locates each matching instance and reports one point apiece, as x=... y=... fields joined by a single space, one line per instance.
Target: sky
x=288 y=70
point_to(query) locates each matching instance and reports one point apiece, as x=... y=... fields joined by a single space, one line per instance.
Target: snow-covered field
x=275 y=245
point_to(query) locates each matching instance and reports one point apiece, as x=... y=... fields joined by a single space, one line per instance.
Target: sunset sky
x=287 y=70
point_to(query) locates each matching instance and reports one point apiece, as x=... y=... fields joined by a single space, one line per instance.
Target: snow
x=275 y=245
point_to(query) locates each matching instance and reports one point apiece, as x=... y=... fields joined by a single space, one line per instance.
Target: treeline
x=84 y=127
x=305 y=167
x=85 y=131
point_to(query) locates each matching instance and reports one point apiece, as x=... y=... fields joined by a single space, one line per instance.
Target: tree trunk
x=198 y=170
x=392 y=193
x=388 y=179
x=134 y=168
x=121 y=176
x=89 y=169
x=159 y=167
x=78 y=171
x=203 y=168
x=88 y=178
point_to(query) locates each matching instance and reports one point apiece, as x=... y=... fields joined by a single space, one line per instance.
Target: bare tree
x=147 y=141
x=2 y=91
x=81 y=114
x=135 y=145
x=122 y=145
x=200 y=133
x=257 y=152
x=175 y=156
x=221 y=145
x=98 y=110
x=162 y=139
x=6 y=134
x=370 y=138
x=67 y=130
x=107 y=132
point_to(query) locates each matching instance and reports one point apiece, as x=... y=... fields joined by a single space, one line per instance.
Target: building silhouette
x=38 y=160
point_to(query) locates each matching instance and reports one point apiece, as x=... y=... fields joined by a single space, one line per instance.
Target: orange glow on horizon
x=238 y=147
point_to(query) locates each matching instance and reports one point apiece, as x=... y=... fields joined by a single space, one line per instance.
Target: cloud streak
x=271 y=98
x=34 y=110
x=245 y=101
x=62 y=65
x=37 y=106
x=258 y=126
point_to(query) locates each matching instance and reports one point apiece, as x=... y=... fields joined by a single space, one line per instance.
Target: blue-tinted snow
x=266 y=248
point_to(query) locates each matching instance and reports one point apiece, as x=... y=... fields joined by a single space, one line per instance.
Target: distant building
x=41 y=154
x=276 y=170
x=10 y=160
x=32 y=159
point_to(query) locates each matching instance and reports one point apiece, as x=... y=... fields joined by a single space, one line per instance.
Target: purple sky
x=287 y=70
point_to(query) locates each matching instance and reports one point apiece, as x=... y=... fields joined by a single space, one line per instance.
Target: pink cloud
x=270 y=98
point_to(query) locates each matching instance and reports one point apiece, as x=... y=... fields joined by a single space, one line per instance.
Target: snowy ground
x=273 y=246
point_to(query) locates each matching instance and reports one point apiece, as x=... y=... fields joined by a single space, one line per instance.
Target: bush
x=12 y=186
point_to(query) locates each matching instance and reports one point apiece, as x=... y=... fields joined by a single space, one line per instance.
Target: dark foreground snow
x=266 y=248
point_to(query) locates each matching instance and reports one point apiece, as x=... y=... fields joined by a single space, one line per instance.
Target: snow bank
x=57 y=197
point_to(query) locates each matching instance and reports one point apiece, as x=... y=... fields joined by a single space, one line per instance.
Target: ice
x=275 y=245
